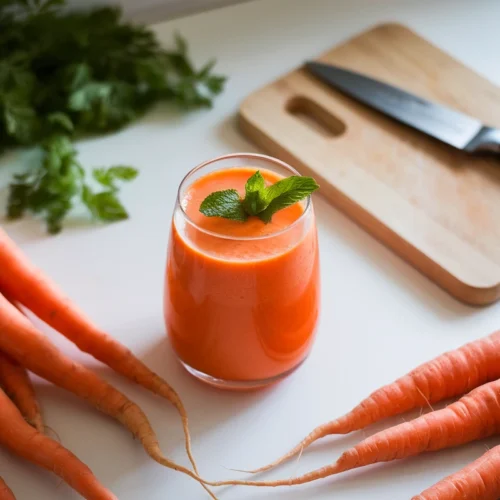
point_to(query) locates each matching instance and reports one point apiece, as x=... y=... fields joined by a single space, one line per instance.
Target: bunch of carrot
x=24 y=348
x=474 y=370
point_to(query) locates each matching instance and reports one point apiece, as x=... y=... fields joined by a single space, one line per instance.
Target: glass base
x=238 y=385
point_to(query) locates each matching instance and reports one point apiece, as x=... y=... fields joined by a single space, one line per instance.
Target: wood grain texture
x=436 y=207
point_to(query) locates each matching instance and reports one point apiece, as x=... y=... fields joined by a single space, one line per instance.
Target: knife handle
x=487 y=140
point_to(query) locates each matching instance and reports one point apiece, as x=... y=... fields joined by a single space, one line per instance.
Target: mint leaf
x=286 y=192
x=255 y=183
x=225 y=204
x=255 y=199
x=259 y=200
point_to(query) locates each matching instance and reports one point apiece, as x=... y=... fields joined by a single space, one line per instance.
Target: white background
x=380 y=317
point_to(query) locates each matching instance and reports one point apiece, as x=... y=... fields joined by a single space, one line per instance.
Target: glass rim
x=250 y=156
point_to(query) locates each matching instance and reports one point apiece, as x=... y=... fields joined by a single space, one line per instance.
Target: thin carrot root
x=5 y=491
x=24 y=343
x=451 y=374
x=20 y=438
x=15 y=381
x=473 y=417
x=478 y=481
x=28 y=285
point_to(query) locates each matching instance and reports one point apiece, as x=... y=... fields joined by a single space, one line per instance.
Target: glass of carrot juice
x=241 y=298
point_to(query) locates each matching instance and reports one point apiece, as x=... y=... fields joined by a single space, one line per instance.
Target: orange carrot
x=20 y=438
x=478 y=481
x=5 y=491
x=15 y=381
x=473 y=417
x=26 y=284
x=24 y=343
x=451 y=374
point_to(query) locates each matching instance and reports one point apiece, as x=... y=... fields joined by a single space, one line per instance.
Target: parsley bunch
x=65 y=74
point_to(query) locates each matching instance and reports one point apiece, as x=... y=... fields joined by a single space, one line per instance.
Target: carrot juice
x=241 y=298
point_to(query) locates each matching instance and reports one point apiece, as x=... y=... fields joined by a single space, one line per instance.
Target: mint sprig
x=225 y=204
x=260 y=200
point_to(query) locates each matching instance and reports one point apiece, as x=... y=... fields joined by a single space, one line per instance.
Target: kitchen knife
x=445 y=124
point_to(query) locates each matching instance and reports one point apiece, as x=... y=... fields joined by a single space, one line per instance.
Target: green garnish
x=66 y=74
x=259 y=200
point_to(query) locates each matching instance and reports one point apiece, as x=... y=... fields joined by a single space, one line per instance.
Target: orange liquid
x=241 y=310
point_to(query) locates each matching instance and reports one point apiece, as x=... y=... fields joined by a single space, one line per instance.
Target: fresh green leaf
x=107 y=207
x=255 y=194
x=107 y=176
x=18 y=197
x=255 y=183
x=88 y=198
x=286 y=192
x=215 y=83
x=259 y=200
x=205 y=71
x=52 y=190
x=61 y=120
x=58 y=210
x=88 y=95
x=101 y=176
x=295 y=184
x=77 y=75
x=225 y=204
x=20 y=120
x=123 y=172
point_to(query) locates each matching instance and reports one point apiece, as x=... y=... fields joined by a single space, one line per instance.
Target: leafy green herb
x=225 y=204
x=52 y=188
x=259 y=200
x=66 y=74
x=255 y=199
x=286 y=192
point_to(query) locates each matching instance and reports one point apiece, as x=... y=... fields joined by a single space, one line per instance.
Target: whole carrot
x=478 y=481
x=451 y=374
x=23 y=282
x=24 y=343
x=5 y=491
x=473 y=417
x=20 y=438
x=15 y=381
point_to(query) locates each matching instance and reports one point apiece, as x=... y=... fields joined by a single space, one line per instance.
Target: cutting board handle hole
x=315 y=117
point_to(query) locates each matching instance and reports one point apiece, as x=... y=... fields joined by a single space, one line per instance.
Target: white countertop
x=380 y=317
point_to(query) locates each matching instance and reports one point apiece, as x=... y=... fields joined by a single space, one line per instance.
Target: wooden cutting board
x=436 y=207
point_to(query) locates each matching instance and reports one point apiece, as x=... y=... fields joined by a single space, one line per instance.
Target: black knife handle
x=487 y=140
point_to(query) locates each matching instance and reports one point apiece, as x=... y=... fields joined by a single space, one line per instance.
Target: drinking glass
x=241 y=309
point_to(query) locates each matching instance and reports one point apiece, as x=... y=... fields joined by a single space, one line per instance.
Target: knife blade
x=444 y=124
